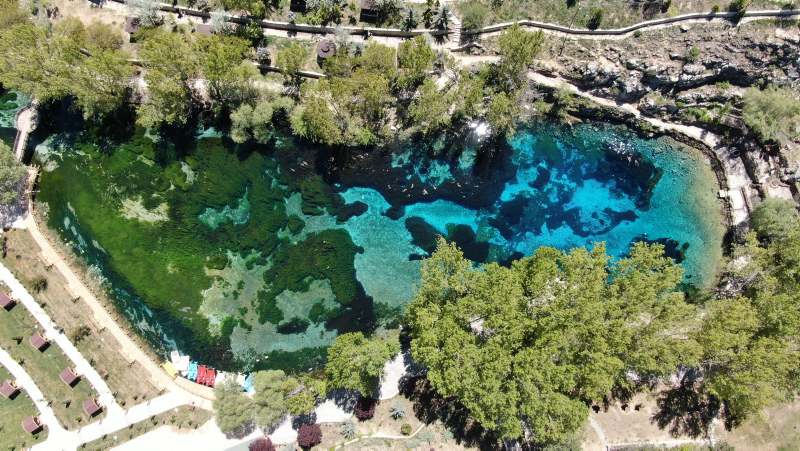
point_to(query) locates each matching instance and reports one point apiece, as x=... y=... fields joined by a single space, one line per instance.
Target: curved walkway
x=201 y=396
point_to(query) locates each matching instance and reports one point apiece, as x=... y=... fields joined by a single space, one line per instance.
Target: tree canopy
x=773 y=114
x=518 y=48
x=11 y=172
x=356 y=363
x=541 y=339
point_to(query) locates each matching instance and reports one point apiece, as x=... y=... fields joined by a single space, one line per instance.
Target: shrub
x=309 y=435
x=638 y=34
x=447 y=435
x=39 y=284
x=80 y=333
x=715 y=9
x=473 y=15
x=595 y=19
x=365 y=408
x=262 y=55
x=405 y=429
x=349 y=429
x=427 y=436
x=398 y=410
x=413 y=443
x=262 y=444
x=693 y=55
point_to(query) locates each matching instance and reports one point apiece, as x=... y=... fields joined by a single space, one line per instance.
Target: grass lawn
x=184 y=419
x=16 y=326
x=12 y=412
x=129 y=382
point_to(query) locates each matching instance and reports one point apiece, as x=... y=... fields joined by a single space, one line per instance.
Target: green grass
x=12 y=412
x=100 y=347
x=184 y=419
x=45 y=368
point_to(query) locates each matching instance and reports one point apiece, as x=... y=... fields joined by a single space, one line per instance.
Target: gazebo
x=31 y=424
x=325 y=49
x=69 y=377
x=132 y=25
x=91 y=407
x=369 y=11
x=9 y=389
x=38 y=341
x=5 y=301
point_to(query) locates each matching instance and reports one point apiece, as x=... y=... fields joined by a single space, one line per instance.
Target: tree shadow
x=429 y=407
x=245 y=430
x=686 y=409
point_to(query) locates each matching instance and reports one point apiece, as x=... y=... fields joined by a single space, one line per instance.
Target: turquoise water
x=554 y=185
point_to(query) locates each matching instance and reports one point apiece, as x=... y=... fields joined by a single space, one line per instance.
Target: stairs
x=455 y=39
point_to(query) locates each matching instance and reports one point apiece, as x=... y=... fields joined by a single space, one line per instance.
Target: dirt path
x=200 y=395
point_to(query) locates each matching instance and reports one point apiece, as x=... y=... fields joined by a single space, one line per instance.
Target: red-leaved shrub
x=262 y=444
x=365 y=408
x=309 y=435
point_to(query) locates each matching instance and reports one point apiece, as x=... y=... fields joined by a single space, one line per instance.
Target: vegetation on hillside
x=11 y=173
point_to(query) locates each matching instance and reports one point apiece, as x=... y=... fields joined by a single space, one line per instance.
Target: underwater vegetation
x=256 y=257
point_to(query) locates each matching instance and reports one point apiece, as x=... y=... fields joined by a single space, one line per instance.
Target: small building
x=297 y=6
x=369 y=11
x=9 y=389
x=170 y=369
x=204 y=29
x=38 y=341
x=192 y=373
x=5 y=301
x=325 y=49
x=31 y=424
x=91 y=407
x=69 y=377
x=132 y=25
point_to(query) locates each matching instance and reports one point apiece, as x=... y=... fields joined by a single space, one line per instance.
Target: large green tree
x=518 y=50
x=233 y=409
x=220 y=64
x=269 y=397
x=356 y=363
x=543 y=338
x=171 y=68
x=773 y=114
x=11 y=172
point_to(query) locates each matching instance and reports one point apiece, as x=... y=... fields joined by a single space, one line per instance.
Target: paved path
x=55 y=433
x=24 y=122
x=200 y=395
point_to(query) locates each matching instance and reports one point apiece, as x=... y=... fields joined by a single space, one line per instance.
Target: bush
x=262 y=55
x=473 y=15
x=398 y=410
x=262 y=444
x=349 y=429
x=427 y=436
x=772 y=114
x=309 y=435
x=39 y=284
x=638 y=34
x=365 y=408
x=666 y=5
x=595 y=19
x=715 y=9
x=413 y=443
x=405 y=429
x=693 y=55
x=80 y=333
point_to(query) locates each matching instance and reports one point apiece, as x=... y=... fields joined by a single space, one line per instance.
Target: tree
x=303 y=398
x=102 y=36
x=315 y=120
x=309 y=435
x=220 y=64
x=33 y=63
x=146 y=10
x=549 y=335
x=595 y=19
x=269 y=397
x=261 y=444
x=414 y=57
x=11 y=14
x=410 y=19
x=356 y=363
x=502 y=113
x=102 y=83
x=171 y=65
x=518 y=49
x=291 y=60
x=442 y=16
x=252 y=123
x=233 y=409
x=11 y=173
x=254 y=8
x=773 y=114
x=430 y=108
x=774 y=218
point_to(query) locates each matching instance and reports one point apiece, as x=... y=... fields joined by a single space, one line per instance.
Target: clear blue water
x=560 y=186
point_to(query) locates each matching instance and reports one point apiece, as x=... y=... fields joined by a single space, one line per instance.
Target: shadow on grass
x=429 y=407
x=685 y=409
